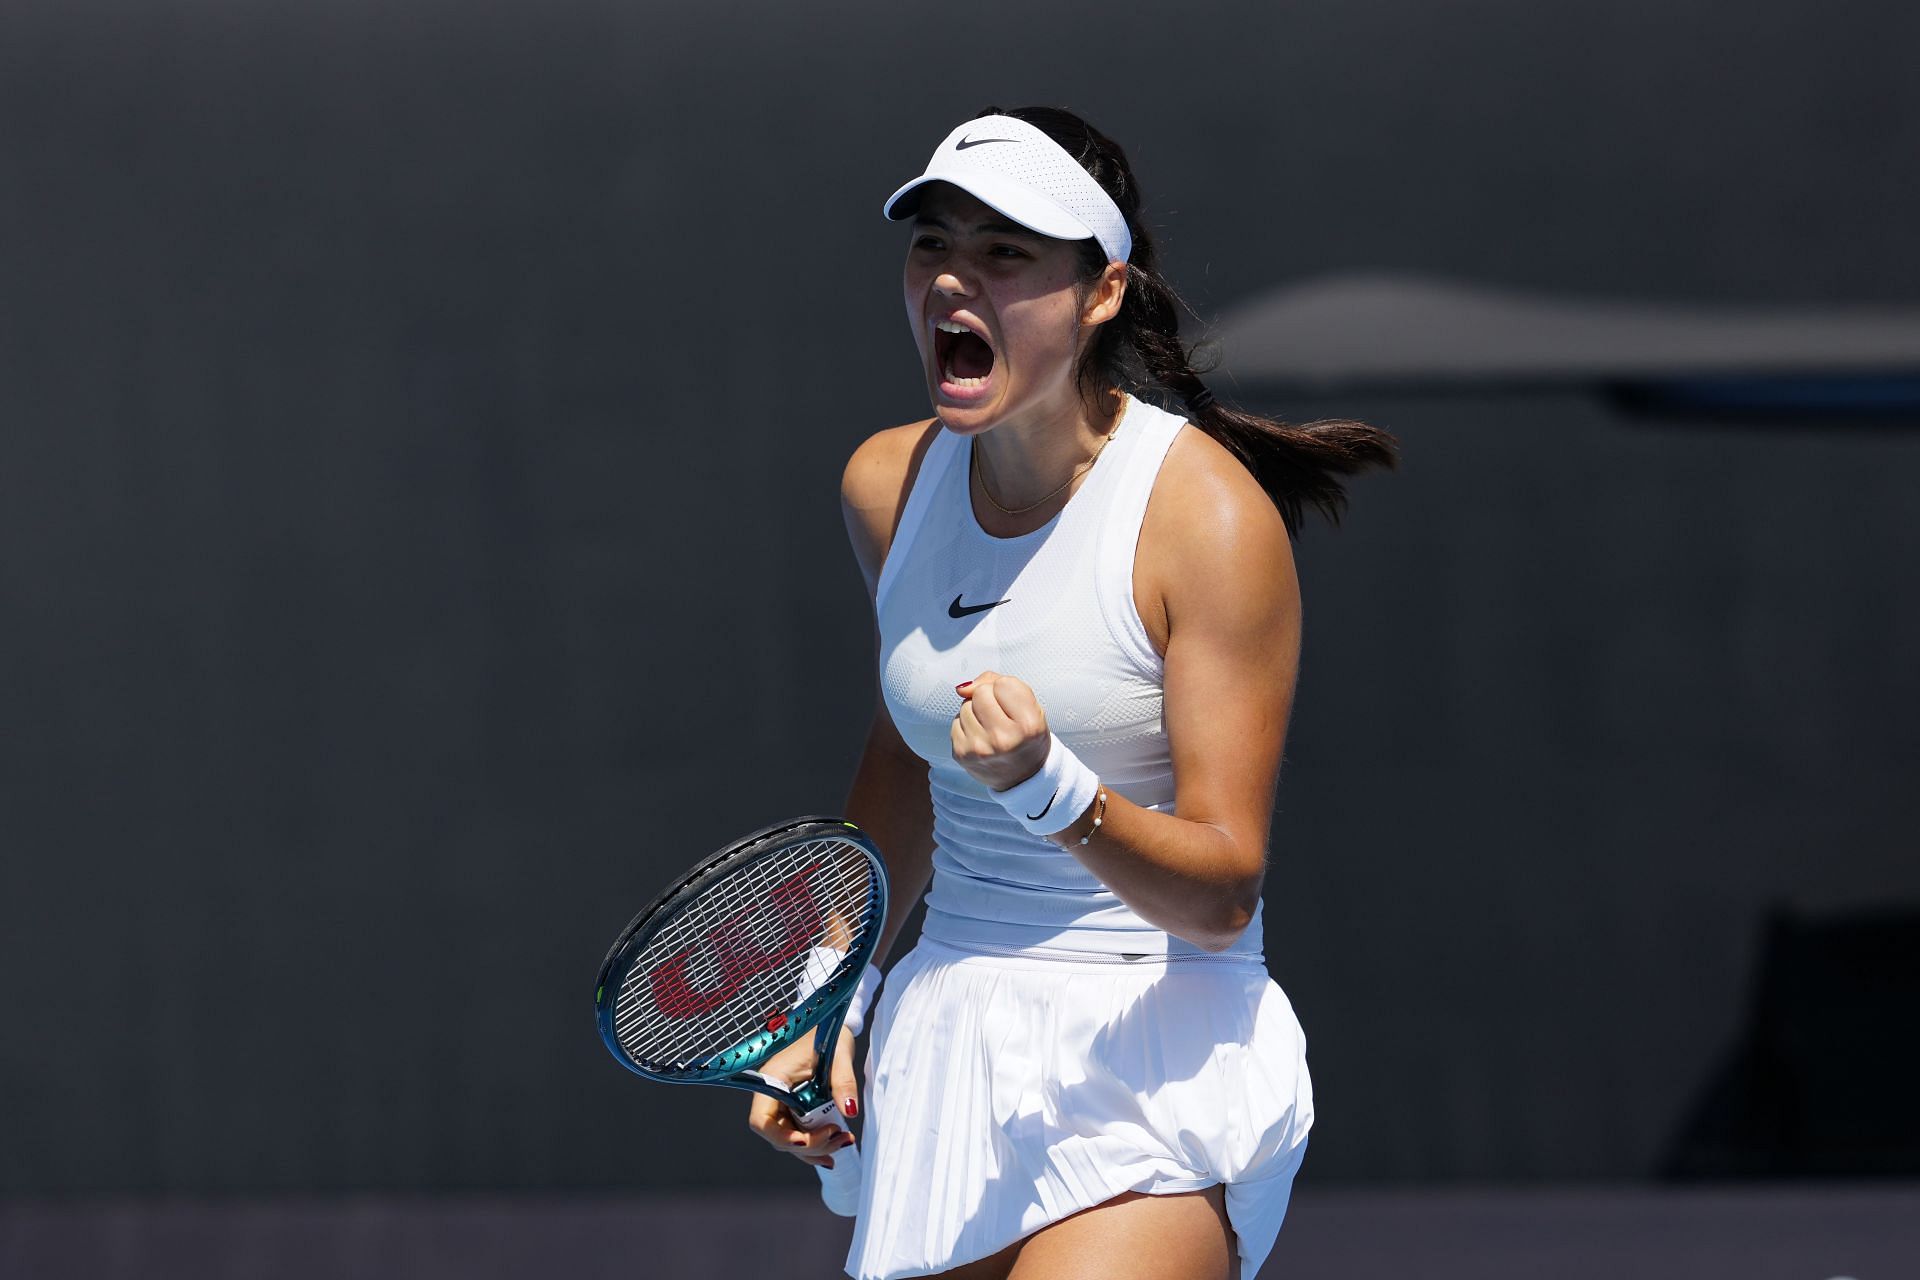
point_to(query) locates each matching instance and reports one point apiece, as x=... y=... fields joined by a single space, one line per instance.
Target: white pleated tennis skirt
x=1006 y=1092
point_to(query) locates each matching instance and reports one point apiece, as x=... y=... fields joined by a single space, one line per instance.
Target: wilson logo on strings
x=754 y=940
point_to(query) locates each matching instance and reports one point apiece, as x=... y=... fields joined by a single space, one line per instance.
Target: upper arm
x=873 y=492
x=1219 y=561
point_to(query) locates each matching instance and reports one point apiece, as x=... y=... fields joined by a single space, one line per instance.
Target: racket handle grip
x=840 y=1185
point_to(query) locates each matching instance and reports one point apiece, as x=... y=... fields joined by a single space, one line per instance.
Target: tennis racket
x=759 y=944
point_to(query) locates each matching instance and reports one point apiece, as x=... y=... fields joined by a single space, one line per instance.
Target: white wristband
x=857 y=1007
x=1054 y=798
x=822 y=961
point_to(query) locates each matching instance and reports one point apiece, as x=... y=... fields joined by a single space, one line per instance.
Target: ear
x=1106 y=295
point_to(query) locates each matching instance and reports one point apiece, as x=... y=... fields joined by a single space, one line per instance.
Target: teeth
x=950 y=326
x=966 y=382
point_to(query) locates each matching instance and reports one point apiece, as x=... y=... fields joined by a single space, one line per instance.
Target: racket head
x=703 y=986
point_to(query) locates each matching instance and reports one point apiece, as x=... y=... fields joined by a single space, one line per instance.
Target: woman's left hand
x=1000 y=736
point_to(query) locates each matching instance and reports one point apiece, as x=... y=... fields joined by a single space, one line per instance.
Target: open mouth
x=964 y=357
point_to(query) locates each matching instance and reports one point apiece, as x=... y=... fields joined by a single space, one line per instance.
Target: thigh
x=997 y=1267
x=1130 y=1237
x=1135 y=1237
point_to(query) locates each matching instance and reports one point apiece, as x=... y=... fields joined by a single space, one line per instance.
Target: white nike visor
x=1016 y=169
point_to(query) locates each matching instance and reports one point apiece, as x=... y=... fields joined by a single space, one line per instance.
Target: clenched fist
x=1000 y=736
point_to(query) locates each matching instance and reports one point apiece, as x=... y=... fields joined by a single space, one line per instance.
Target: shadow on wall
x=1822 y=1081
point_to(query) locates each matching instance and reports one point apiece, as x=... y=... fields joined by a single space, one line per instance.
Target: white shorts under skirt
x=1004 y=1093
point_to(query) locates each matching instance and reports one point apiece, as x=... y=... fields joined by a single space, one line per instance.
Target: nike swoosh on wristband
x=958 y=610
x=1035 y=817
x=964 y=143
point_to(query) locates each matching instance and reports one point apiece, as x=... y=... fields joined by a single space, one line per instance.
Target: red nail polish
x=850 y=1108
x=962 y=688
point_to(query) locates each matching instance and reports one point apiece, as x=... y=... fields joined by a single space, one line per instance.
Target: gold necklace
x=1020 y=511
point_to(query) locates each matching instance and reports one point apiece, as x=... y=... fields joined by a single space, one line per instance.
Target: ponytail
x=1298 y=466
x=1141 y=350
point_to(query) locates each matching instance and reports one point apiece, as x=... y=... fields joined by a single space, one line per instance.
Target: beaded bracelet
x=1099 y=816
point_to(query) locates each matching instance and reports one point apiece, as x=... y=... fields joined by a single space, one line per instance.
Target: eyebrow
x=992 y=226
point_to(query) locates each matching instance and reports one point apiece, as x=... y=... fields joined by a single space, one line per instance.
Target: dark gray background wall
x=419 y=428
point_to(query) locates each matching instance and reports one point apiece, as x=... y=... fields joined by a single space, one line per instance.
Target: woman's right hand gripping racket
x=761 y=943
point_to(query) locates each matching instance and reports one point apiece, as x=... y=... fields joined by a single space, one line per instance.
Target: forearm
x=1197 y=880
x=890 y=802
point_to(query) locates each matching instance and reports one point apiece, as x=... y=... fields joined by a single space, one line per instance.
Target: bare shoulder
x=1212 y=543
x=874 y=488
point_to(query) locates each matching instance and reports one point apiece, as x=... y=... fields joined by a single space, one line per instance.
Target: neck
x=1022 y=460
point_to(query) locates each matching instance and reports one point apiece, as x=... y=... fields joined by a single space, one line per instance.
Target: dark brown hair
x=1141 y=350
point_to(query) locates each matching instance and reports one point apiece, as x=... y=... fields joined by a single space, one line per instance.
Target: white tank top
x=1054 y=607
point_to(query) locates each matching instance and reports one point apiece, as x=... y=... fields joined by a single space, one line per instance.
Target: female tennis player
x=1089 y=626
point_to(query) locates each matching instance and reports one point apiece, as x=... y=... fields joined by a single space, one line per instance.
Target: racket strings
x=735 y=961
x=732 y=960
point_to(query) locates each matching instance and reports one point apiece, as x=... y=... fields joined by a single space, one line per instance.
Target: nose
x=949 y=285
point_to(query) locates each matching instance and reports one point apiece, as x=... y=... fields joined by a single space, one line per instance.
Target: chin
x=965 y=417
x=962 y=422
